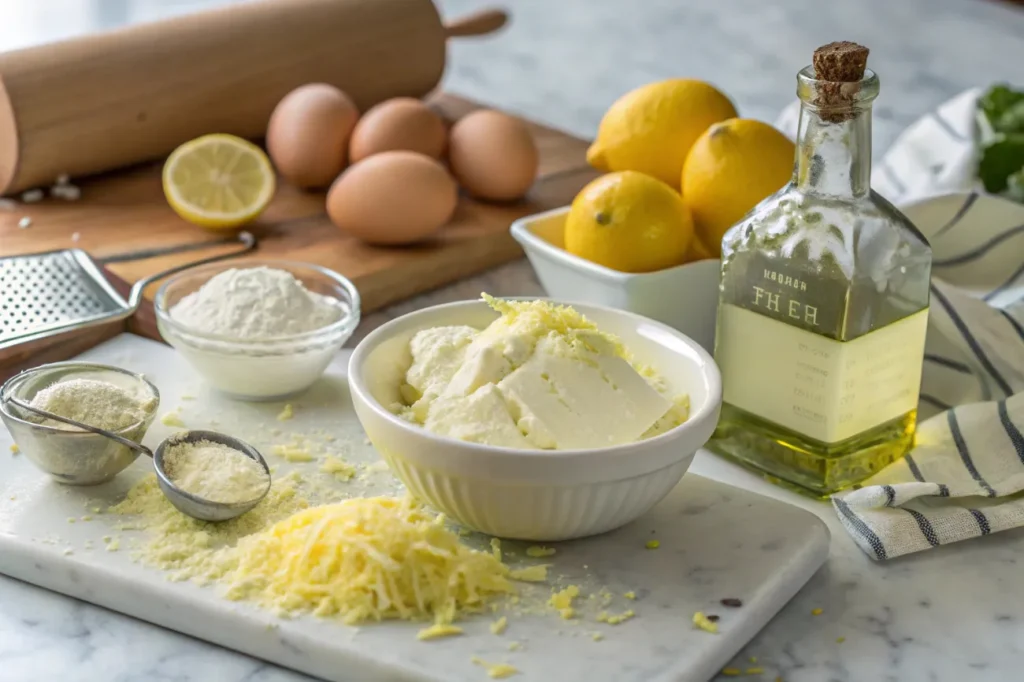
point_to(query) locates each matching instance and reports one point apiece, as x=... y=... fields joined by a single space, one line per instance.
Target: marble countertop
x=948 y=614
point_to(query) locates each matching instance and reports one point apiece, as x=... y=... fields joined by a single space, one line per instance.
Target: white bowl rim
x=706 y=411
x=346 y=324
x=526 y=237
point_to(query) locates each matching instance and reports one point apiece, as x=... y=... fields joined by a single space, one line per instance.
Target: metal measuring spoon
x=186 y=503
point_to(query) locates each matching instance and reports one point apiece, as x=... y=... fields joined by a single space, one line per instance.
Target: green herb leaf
x=1001 y=131
x=1004 y=108
x=999 y=160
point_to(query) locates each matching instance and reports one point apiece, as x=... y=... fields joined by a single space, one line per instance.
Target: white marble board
x=716 y=541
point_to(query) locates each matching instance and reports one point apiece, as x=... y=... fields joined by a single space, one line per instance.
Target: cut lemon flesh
x=218 y=181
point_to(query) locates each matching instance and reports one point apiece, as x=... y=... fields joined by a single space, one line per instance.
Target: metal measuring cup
x=186 y=503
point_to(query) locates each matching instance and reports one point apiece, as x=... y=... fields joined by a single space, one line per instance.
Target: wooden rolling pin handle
x=477 y=23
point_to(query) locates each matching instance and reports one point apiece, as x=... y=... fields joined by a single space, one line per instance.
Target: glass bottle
x=823 y=303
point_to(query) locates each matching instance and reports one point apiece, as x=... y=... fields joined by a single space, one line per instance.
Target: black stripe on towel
x=965 y=454
x=946 y=362
x=943 y=490
x=1013 y=323
x=926 y=527
x=914 y=471
x=971 y=341
x=1011 y=430
x=890 y=495
x=982 y=521
x=1005 y=285
x=958 y=216
x=979 y=251
x=863 y=529
x=932 y=400
x=947 y=128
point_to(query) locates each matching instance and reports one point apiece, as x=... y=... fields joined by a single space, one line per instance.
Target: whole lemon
x=731 y=168
x=629 y=221
x=651 y=128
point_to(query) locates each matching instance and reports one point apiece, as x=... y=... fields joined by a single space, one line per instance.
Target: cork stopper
x=838 y=67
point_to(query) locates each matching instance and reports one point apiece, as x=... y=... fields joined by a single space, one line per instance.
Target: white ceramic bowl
x=539 y=495
x=684 y=297
x=265 y=369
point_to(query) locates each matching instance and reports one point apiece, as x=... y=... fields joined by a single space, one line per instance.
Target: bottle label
x=825 y=389
x=775 y=290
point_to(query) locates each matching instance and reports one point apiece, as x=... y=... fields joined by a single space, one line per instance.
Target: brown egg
x=395 y=197
x=493 y=155
x=308 y=134
x=399 y=123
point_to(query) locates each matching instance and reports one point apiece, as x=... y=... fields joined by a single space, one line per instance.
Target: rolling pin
x=109 y=100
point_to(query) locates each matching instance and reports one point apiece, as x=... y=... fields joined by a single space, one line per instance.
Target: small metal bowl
x=197 y=507
x=73 y=457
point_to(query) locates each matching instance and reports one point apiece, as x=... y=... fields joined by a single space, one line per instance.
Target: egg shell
x=399 y=123
x=395 y=197
x=493 y=155
x=308 y=134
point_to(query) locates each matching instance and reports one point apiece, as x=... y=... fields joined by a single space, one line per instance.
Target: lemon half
x=218 y=181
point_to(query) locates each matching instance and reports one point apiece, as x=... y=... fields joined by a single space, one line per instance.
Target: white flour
x=214 y=472
x=255 y=303
x=96 y=403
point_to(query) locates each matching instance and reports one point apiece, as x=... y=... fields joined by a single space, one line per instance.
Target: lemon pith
x=218 y=181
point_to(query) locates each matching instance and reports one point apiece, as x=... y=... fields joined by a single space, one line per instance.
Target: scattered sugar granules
x=25 y=223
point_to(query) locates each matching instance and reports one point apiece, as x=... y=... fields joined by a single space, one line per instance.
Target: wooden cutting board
x=127 y=211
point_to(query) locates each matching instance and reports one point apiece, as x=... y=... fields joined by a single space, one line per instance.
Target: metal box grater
x=45 y=292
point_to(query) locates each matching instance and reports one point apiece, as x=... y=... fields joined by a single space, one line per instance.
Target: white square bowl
x=684 y=297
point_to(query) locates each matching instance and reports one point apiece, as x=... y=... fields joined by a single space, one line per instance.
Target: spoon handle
x=138 y=447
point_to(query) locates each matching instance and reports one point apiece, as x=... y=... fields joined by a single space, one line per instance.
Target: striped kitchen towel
x=964 y=477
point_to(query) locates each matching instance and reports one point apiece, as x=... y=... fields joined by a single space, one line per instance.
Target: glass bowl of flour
x=99 y=395
x=258 y=329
